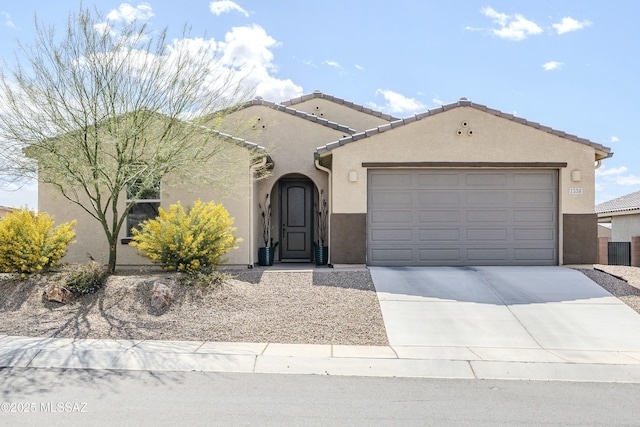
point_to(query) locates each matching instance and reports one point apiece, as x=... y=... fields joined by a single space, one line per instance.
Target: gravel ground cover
x=621 y=281
x=323 y=307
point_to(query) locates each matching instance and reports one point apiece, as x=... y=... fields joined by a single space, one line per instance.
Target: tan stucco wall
x=339 y=113
x=90 y=237
x=435 y=139
x=291 y=142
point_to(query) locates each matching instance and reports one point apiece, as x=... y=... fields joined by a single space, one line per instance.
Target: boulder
x=57 y=294
x=161 y=296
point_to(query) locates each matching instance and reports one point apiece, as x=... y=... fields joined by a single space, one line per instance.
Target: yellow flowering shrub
x=29 y=243
x=187 y=240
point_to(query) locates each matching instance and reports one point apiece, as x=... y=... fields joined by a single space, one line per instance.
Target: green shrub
x=188 y=240
x=29 y=243
x=85 y=278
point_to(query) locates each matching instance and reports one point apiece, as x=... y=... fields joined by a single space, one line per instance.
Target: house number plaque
x=575 y=190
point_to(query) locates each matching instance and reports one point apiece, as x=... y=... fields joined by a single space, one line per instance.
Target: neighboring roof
x=463 y=102
x=349 y=104
x=629 y=202
x=302 y=114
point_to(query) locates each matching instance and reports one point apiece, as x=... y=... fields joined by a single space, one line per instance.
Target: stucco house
x=623 y=213
x=623 y=216
x=4 y=210
x=461 y=184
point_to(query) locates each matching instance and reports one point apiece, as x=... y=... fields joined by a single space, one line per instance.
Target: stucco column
x=603 y=250
x=635 y=251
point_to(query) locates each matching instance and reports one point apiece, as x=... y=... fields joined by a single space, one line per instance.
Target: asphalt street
x=78 y=397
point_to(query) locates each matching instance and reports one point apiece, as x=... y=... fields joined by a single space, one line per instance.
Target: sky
x=572 y=65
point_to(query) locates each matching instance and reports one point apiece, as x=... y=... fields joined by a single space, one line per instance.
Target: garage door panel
x=392 y=235
x=487 y=198
x=534 y=254
x=393 y=199
x=533 y=234
x=392 y=180
x=438 y=180
x=534 y=198
x=393 y=217
x=534 y=216
x=527 y=181
x=440 y=216
x=447 y=256
x=486 y=216
x=487 y=254
x=463 y=217
x=483 y=234
x=441 y=198
x=393 y=255
x=439 y=235
x=494 y=180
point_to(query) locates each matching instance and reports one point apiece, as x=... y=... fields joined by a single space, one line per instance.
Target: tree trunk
x=113 y=249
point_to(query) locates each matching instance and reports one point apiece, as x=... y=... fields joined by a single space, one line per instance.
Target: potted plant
x=321 y=248
x=267 y=252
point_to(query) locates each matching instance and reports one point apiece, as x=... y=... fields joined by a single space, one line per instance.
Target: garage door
x=462 y=217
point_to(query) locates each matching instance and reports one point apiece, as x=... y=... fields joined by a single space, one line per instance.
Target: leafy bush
x=85 y=278
x=188 y=240
x=29 y=243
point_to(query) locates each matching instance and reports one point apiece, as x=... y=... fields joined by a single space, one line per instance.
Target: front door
x=296 y=204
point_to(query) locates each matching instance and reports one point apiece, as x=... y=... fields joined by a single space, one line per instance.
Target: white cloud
x=604 y=171
x=615 y=139
x=359 y=67
x=128 y=13
x=332 y=63
x=19 y=196
x=250 y=50
x=397 y=103
x=515 y=27
x=225 y=6
x=105 y=28
x=552 y=65
x=437 y=101
x=8 y=22
x=618 y=176
x=569 y=24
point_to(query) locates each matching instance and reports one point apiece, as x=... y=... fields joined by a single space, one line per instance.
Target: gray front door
x=296 y=214
x=462 y=217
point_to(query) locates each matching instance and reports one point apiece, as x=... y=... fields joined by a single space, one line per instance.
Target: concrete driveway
x=499 y=308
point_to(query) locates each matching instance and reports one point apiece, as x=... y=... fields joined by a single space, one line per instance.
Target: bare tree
x=100 y=111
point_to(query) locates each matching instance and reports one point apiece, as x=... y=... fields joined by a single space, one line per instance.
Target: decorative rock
x=58 y=294
x=161 y=296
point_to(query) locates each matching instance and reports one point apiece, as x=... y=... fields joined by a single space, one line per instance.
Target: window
x=147 y=203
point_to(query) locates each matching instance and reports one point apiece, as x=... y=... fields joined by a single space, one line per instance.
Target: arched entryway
x=296 y=227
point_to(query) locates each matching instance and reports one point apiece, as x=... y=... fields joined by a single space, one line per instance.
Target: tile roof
x=235 y=140
x=302 y=114
x=463 y=102
x=629 y=202
x=349 y=104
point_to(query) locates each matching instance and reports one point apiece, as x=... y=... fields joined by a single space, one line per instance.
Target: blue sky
x=572 y=65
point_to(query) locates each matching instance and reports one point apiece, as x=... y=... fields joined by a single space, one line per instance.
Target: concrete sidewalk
x=384 y=361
